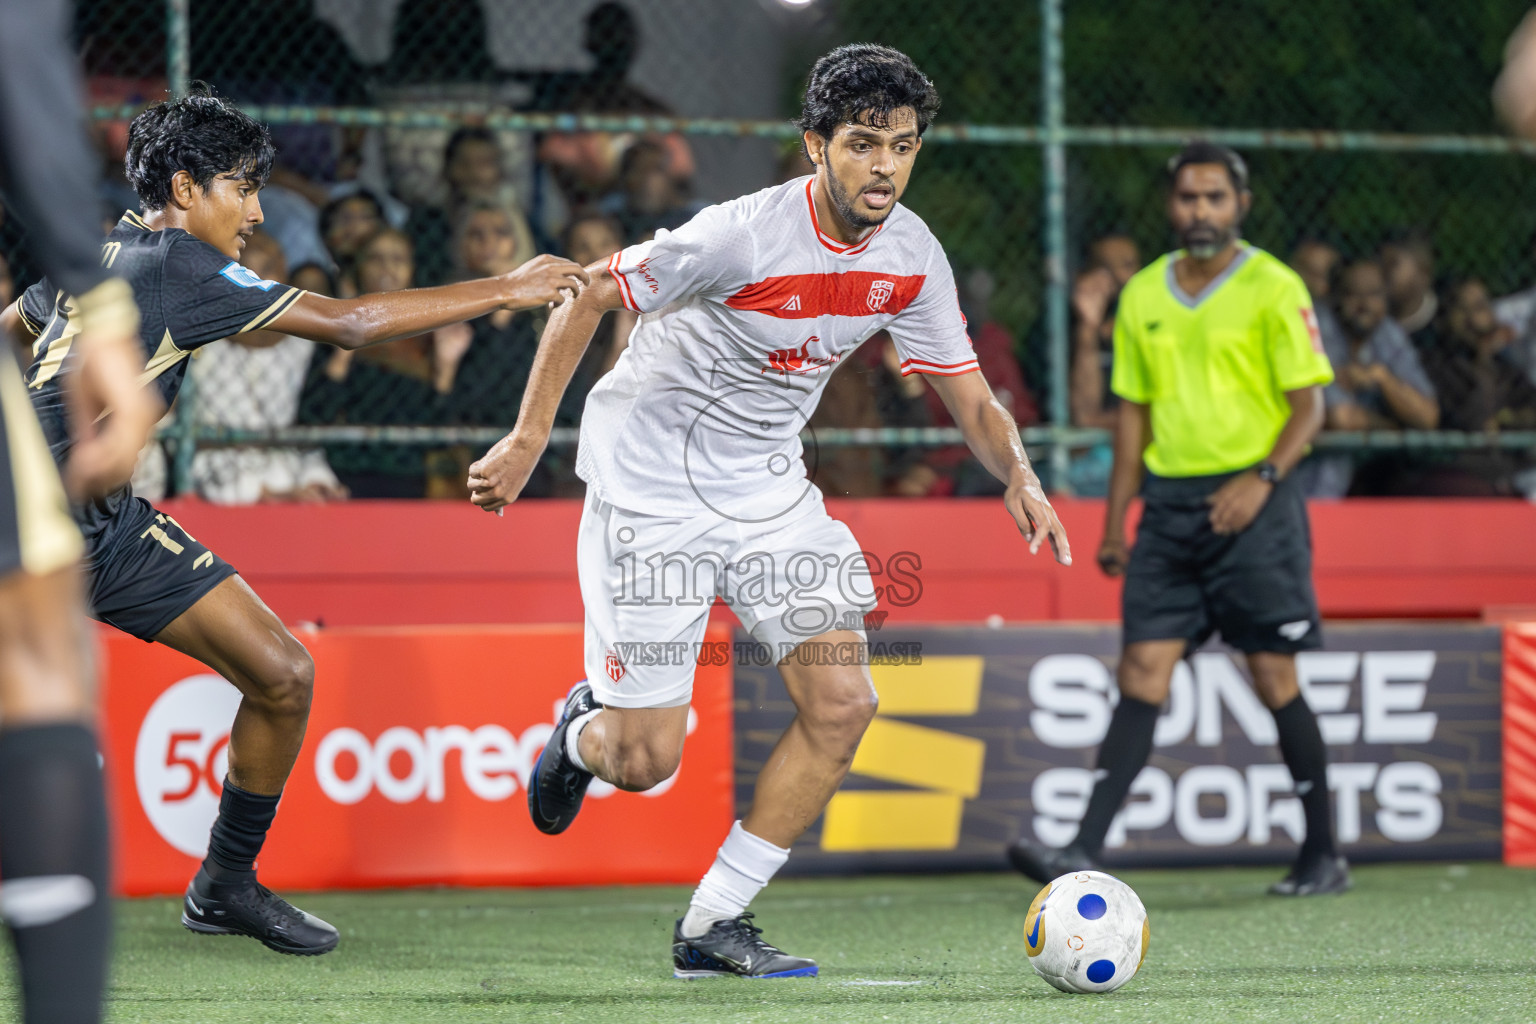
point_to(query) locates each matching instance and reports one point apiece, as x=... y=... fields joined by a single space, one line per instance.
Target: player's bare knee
x=644 y=776
x=637 y=766
x=288 y=685
x=840 y=714
x=43 y=697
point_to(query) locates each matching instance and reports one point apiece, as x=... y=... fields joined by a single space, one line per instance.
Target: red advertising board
x=413 y=770
x=952 y=560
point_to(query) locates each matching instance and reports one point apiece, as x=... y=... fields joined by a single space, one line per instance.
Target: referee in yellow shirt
x=1220 y=370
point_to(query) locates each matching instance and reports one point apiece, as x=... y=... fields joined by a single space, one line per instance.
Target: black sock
x=238 y=833
x=1127 y=745
x=1301 y=744
x=53 y=857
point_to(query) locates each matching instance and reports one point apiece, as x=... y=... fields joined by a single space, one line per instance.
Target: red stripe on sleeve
x=625 y=295
x=938 y=366
x=912 y=366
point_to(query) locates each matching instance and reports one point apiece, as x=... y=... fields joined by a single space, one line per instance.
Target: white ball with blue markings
x=1087 y=932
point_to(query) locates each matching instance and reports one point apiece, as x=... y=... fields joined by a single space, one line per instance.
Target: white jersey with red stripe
x=745 y=312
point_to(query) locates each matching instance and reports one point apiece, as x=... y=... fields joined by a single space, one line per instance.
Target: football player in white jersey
x=697 y=487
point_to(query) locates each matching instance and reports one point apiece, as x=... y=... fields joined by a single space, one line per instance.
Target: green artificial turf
x=1431 y=942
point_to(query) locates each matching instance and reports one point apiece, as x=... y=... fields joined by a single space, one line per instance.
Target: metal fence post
x=183 y=435
x=178 y=46
x=178 y=60
x=1054 y=154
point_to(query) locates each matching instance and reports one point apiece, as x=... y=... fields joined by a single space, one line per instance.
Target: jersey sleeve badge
x=245 y=277
x=1309 y=317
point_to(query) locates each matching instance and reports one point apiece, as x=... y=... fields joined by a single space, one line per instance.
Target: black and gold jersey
x=37 y=535
x=189 y=294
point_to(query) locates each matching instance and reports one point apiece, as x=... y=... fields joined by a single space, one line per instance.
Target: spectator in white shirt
x=252 y=382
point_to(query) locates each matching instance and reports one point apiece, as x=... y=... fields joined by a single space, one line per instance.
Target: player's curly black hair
x=865 y=82
x=200 y=133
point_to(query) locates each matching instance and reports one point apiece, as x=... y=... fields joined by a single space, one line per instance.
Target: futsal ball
x=1087 y=932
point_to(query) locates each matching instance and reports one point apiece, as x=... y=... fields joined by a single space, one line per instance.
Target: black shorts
x=37 y=535
x=145 y=569
x=1185 y=582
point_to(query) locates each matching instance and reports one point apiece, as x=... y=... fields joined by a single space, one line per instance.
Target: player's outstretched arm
x=993 y=435
x=384 y=316
x=498 y=477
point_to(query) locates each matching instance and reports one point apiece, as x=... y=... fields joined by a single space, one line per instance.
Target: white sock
x=743 y=866
x=573 y=738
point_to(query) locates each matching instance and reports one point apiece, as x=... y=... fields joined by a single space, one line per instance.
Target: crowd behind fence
x=424 y=142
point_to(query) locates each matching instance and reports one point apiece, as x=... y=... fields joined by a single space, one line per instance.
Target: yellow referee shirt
x=1214 y=367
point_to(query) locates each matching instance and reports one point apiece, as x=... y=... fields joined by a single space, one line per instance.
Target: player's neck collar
x=826 y=239
x=133 y=220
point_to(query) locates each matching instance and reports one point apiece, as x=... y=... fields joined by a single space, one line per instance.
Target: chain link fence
x=423 y=141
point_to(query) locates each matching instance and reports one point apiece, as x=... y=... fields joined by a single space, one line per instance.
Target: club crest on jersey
x=614 y=667
x=880 y=294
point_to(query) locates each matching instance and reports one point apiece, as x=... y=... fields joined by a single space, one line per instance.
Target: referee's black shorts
x=1186 y=582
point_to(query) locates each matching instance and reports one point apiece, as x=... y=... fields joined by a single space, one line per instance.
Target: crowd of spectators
x=1413 y=350
x=353 y=210
x=1410 y=351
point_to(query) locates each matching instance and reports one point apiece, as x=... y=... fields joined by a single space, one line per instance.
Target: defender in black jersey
x=197 y=165
x=145 y=569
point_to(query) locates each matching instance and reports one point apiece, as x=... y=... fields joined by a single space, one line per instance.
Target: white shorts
x=648 y=583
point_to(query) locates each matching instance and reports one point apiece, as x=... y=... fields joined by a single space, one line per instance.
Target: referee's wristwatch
x=1269 y=472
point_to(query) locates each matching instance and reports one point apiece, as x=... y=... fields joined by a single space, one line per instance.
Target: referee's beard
x=1205 y=241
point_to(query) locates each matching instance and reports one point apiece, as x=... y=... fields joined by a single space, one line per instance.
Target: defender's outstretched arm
x=498 y=478
x=371 y=319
